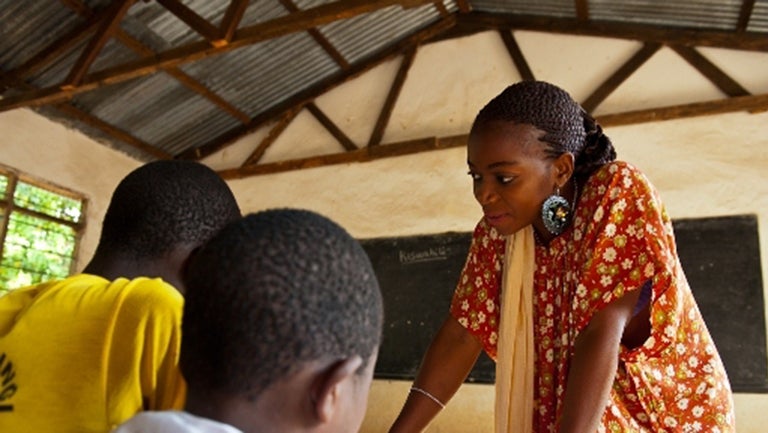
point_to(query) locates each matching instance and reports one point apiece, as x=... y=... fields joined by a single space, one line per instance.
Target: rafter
x=117 y=133
x=474 y=22
x=106 y=29
x=618 y=77
x=441 y=9
x=62 y=45
x=742 y=103
x=582 y=9
x=359 y=155
x=191 y=83
x=89 y=119
x=318 y=89
x=292 y=23
x=273 y=134
x=751 y=103
x=516 y=54
x=231 y=20
x=331 y=127
x=745 y=14
x=394 y=93
x=321 y=40
x=723 y=81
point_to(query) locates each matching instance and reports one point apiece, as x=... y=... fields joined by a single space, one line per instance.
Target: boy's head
x=157 y=215
x=282 y=319
x=163 y=204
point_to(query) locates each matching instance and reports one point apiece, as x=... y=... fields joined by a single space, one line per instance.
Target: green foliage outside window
x=40 y=235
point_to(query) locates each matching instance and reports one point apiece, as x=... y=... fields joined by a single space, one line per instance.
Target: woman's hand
x=446 y=364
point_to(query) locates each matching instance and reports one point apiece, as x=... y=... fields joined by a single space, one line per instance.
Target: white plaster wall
x=46 y=150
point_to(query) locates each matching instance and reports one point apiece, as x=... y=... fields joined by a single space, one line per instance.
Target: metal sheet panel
x=692 y=14
x=554 y=8
x=359 y=37
x=257 y=77
x=159 y=111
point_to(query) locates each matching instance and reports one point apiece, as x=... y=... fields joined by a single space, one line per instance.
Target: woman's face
x=511 y=174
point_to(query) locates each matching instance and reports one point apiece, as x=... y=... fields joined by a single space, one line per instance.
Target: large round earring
x=555 y=212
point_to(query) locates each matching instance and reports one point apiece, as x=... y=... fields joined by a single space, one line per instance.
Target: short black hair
x=271 y=291
x=566 y=125
x=164 y=204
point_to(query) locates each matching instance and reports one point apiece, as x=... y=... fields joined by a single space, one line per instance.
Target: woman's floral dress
x=621 y=238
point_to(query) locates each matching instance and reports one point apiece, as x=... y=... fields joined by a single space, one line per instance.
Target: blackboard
x=720 y=257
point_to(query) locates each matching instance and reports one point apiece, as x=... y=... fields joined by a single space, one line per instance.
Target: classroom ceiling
x=161 y=79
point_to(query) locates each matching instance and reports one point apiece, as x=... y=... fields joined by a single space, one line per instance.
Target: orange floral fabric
x=621 y=238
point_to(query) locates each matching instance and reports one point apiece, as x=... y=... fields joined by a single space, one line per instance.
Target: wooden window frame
x=8 y=207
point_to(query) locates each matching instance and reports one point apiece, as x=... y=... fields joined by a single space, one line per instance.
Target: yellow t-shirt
x=85 y=354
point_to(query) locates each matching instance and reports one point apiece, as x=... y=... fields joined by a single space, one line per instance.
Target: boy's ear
x=327 y=387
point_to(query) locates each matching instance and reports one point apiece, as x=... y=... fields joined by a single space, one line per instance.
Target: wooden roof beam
x=394 y=93
x=321 y=40
x=109 y=129
x=194 y=51
x=481 y=21
x=331 y=127
x=741 y=103
x=318 y=89
x=516 y=54
x=182 y=77
x=441 y=9
x=750 y=103
x=745 y=14
x=231 y=20
x=63 y=44
x=108 y=26
x=618 y=77
x=272 y=136
x=359 y=155
x=582 y=9
x=723 y=81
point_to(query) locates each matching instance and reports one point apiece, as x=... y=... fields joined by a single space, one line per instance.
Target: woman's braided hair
x=567 y=127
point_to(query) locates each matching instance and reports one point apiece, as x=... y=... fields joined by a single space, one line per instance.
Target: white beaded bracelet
x=431 y=397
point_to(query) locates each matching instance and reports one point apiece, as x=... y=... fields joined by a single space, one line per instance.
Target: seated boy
x=84 y=354
x=282 y=324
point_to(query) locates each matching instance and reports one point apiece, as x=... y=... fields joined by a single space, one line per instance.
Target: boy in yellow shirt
x=86 y=353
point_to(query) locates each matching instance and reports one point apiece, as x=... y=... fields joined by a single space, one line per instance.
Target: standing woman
x=572 y=285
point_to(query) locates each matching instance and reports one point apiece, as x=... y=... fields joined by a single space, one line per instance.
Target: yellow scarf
x=514 y=361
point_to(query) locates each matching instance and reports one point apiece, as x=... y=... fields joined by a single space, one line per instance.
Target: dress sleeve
x=475 y=303
x=627 y=243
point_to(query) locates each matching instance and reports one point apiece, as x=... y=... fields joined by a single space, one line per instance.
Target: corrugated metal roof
x=113 y=53
x=699 y=14
x=557 y=8
x=29 y=27
x=363 y=35
x=257 y=77
x=160 y=111
x=169 y=28
x=759 y=21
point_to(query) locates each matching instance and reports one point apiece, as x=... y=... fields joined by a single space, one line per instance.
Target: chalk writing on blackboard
x=432 y=254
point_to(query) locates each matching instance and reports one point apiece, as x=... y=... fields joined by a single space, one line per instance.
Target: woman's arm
x=593 y=367
x=446 y=364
